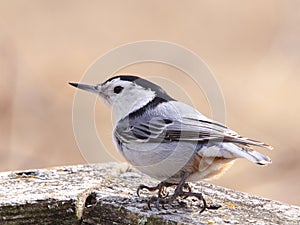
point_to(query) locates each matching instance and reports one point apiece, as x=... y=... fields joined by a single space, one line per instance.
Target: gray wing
x=184 y=129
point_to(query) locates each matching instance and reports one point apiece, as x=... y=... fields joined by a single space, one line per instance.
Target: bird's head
x=125 y=94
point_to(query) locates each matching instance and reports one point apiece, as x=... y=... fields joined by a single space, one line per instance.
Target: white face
x=124 y=96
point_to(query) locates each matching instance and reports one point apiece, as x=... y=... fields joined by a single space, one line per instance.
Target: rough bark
x=106 y=194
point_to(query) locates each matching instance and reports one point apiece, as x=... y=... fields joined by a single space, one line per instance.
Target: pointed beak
x=86 y=87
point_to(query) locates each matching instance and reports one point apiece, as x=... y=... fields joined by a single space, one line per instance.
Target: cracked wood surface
x=106 y=194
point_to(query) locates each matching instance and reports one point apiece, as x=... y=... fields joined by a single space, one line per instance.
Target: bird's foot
x=161 y=187
x=157 y=201
x=163 y=197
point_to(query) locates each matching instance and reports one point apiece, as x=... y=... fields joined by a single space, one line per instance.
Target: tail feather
x=242 y=151
x=248 y=141
x=258 y=143
x=257 y=157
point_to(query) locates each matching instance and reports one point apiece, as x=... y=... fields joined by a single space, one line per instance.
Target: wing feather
x=185 y=129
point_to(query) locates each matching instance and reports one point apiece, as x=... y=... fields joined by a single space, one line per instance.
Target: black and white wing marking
x=159 y=130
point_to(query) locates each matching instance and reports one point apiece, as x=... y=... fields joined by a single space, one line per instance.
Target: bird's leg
x=180 y=193
x=201 y=198
x=158 y=200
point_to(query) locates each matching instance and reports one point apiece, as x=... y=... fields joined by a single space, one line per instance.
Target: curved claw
x=162 y=193
x=163 y=206
x=141 y=187
x=149 y=204
x=204 y=206
x=153 y=199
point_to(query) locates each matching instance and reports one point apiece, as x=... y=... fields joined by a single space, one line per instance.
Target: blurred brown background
x=252 y=47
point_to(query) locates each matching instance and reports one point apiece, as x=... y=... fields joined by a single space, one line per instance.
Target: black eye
x=118 y=89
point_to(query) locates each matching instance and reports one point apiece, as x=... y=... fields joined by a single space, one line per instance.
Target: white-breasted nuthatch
x=170 y=140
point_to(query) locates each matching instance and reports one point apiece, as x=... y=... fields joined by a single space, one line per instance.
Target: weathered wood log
x=106 y=194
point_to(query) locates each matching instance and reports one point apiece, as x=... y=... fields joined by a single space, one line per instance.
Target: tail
x=257 y=157
x=243 y=151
